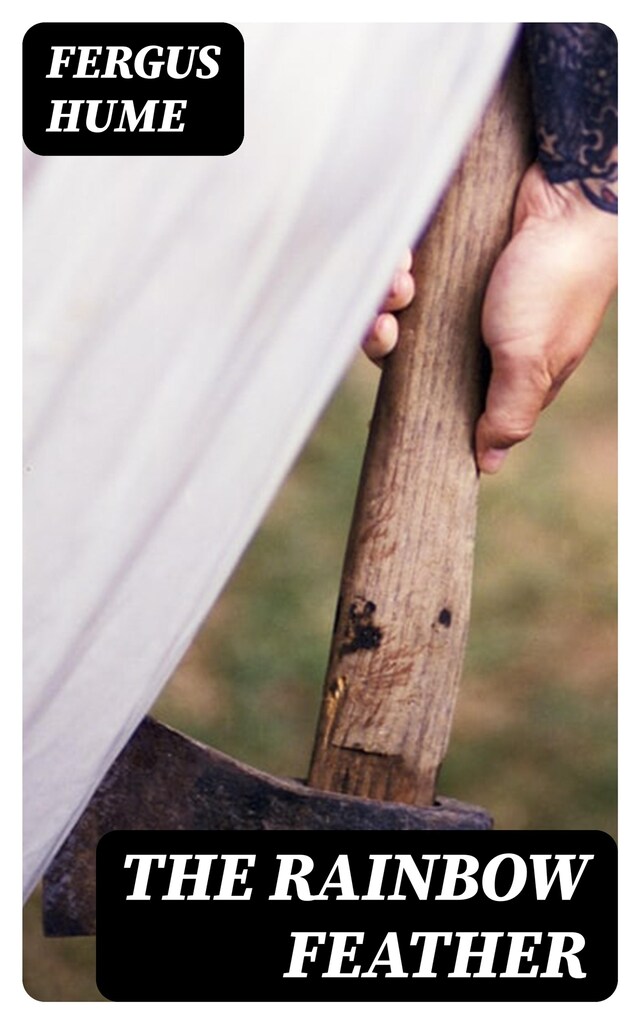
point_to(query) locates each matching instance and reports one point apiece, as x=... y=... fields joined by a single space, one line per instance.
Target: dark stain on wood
x=444 y=618
x=361 y=633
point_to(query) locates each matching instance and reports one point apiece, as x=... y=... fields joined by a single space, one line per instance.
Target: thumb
x=518 y=390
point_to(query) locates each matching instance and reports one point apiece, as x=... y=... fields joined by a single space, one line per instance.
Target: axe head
x=165 y=780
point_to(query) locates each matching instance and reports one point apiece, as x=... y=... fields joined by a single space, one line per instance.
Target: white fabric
x=186 y=321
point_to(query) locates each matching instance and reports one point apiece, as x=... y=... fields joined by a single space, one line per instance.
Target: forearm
x=574 y=78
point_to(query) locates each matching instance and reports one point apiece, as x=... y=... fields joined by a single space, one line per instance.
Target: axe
x=403 y=610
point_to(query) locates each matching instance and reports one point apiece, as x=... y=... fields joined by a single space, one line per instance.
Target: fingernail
x=493 y=459
x=395 y=286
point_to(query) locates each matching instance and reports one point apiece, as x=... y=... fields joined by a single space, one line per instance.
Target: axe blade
x=163 y=780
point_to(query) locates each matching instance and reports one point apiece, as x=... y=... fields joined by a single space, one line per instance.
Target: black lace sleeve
x=574 y=69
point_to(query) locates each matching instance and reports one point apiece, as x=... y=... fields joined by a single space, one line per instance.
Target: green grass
x=534 y=739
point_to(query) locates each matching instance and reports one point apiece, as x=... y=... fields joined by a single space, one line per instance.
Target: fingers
x=520 y=388
x=383 y=336
x=543 y=306
x=401 y=292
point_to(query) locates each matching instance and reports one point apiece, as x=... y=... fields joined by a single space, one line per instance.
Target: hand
x=383 y=334
x=544 y=303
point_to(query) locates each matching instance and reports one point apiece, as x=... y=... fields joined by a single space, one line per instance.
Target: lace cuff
x=574 y=71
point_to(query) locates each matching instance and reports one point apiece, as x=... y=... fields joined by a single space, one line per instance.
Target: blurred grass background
x=535 y=731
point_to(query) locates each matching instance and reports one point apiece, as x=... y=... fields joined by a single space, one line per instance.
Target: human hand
x=544 y=303
x=383 y=334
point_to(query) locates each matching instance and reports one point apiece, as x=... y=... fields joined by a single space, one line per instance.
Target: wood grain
x=402 y=618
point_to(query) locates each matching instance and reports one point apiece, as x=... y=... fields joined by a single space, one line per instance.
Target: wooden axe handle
x=402 y=618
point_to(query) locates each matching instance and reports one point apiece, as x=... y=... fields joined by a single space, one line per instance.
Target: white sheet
x=186 y=321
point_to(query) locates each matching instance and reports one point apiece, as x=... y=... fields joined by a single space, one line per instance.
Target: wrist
x=599 y=190
x=566 y=204
x=601 y=195
x=561 y=237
